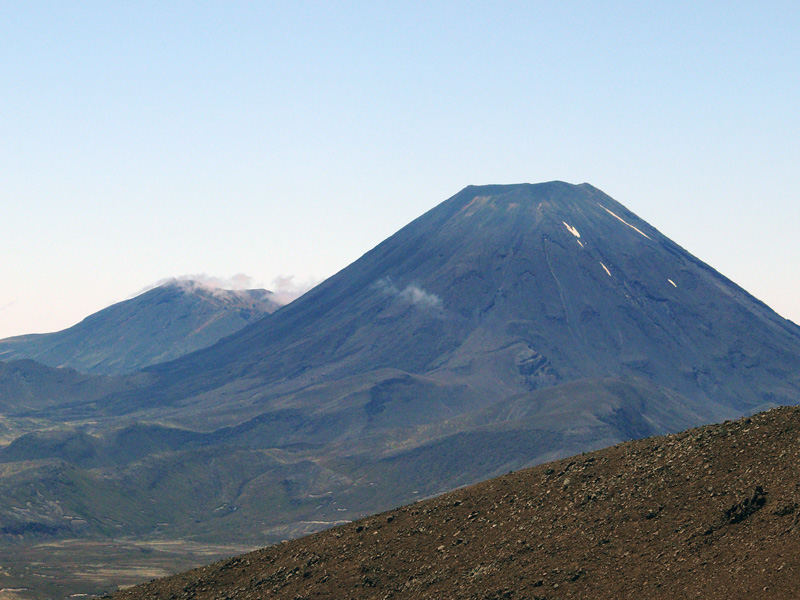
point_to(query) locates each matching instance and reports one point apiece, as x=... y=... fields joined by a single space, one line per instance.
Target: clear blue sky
x=142 y=140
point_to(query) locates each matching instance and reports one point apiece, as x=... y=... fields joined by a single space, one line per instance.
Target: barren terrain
x=709 y=513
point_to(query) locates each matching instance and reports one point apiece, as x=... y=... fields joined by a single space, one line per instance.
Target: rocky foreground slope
x=712 y=512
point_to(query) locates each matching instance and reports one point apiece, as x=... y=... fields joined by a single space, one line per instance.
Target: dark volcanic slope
x=710 y=513
x=161 y=324
x=26 y=385
x=486 y=300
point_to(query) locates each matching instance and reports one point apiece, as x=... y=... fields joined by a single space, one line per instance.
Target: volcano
x=507 y=301
x=161 y=324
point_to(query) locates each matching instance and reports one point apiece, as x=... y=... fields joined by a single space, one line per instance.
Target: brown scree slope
x=709 y=513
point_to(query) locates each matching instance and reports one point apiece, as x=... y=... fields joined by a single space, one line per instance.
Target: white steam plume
x=413 y=294
x=283 y=290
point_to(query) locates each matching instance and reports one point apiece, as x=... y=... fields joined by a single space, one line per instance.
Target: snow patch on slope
x=616 y=216
x=571 y=229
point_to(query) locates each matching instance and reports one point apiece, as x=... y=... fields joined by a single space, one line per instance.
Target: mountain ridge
x=159 y=324
x=241 y=355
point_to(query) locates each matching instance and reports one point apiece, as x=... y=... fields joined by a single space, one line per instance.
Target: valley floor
x=80 y=568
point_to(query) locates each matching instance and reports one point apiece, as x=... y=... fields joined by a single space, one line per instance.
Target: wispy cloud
x=240 y=281
x=413 y=294
x=286 y=288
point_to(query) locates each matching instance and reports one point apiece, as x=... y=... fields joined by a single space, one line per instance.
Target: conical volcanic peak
x=543 y=203
x=504 y=290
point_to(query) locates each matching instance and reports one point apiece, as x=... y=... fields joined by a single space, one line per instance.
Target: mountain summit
x=172 y=319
